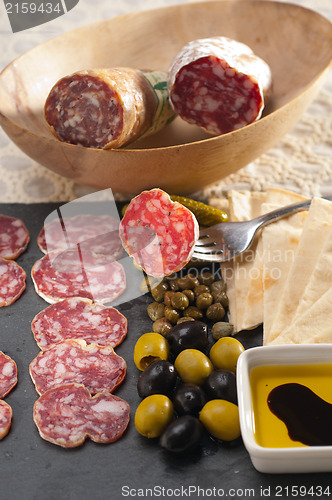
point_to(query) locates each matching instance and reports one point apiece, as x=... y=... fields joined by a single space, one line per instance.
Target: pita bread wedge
x=315 y=232
x=314 y=326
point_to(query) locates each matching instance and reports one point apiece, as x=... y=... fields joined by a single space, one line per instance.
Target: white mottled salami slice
x=79 y=318
x=6 y=415
x=108 y=108
x=98 y=368
x=68 y=414
x=12 y=282
x=218 y=84
x=95 y=233
x=71 y=273
x=158 y=233
x=8 y=374
x=14 y=237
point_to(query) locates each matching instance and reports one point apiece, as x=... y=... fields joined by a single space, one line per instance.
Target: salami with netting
x=8 y=374
x=68 y=414
x=14 y=237
x=5 y=418
x=108 y=108
x=79 y=318
x=95 y=233
x=12 y=281
x=158 y=233
x=73 y=273
x=218 y=84
x=98 y=368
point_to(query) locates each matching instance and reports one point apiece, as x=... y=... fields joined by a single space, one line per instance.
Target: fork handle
x=277 y=214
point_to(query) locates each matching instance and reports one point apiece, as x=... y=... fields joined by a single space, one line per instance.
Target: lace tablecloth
x=301 y=161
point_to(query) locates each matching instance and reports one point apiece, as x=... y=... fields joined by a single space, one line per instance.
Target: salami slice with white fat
x=73 y=273
x=8 y=374
x=98 y=368
x=218 y=84
x=158 y=233
x=108 y=108
x=14 y=237
x=6 y=415
x=12 y=281
x=68 y=414
x=95 y=233
x=79 y=318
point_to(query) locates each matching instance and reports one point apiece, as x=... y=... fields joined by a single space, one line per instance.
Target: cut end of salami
x=12 y=282
x=8 y=374
x=5 y=418
x=67 y=415
x=14 y=237
x=158 y=233
x=218 y=84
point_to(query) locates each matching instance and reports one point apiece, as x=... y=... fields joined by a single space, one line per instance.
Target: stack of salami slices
x=8 y=380
x=77 y=369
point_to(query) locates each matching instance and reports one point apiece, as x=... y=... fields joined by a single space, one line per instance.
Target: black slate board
x=32 y=469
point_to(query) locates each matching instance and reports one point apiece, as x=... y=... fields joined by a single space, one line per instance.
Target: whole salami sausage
x=14 y=237
x=70 y=273
x=79 y=318
x=218 y=84
x=158 y=233
x=5 y=418
x=98 y=368
x=95 y=233
x=108 y=108
x=68 y=414
x=8 y=374
x=12 y=282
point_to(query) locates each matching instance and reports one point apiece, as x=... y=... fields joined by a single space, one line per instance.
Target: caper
x=204 y=300
x=221 y=297
x=190 y=294
x=171 y=314
x=193 y=312
x=159 y=290
x=148 y=283
x=201 y=289
x=222 y=329
x=162 y=326
x=215 y=312
x=206 y=278
x=184 y=319
x=179 y=301
x=188 y=282
x=167 y=297
x=156 y=310
x=173 y=285
x=218 y=286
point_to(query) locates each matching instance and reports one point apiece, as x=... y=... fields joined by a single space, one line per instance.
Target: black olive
x=182 y=435
x=158 y=378
x=221 y=384
x=188 y=335
x=189 y=399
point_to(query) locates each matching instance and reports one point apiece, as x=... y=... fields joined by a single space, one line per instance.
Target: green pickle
x=205 y=214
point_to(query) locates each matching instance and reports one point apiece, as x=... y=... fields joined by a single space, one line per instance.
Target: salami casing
x=95 y=233
x=14 y=237
x=108 y=108
x=12 y=282
x=218 y=84
x=72 y=273
x=98 y=368
x=8 y=374
x=158 y=233
x=5 y=418
x=79 y=318
x=68 y=414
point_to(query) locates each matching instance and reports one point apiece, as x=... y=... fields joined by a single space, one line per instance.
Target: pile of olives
x=186 y=389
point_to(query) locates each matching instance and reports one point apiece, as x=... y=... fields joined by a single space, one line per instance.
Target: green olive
x=215 y=312
x=162 y=326
x=153 y=415
x=193 y=366
x=204 y=300
x=156 y=310
x=221 y=419
x=148 y=348
x=179 y=301
x=225 y=353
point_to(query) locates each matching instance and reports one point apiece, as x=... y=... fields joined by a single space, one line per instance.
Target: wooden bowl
x=295 y=42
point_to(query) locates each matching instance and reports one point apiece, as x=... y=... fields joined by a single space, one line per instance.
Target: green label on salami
x=164 y=113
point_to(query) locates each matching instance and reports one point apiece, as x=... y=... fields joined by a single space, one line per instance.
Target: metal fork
x=226 y=240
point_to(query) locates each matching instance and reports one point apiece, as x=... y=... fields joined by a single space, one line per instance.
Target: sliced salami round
x=79 y=318
x=12 y=281
x=218 y=84
x=158 y=233
x=68 y=414
x=71 y=273
x=98 y=368
x=14 y=237
x=6 y=415
x=8 y=374
x=95 y=233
